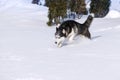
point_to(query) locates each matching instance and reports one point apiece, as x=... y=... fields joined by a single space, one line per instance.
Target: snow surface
x=113 y=14
x=28 y=52
x=115 y=4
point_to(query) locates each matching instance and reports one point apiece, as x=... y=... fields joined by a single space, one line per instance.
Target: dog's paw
x=59 y=45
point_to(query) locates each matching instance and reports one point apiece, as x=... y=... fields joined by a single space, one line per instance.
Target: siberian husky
x=70 y=29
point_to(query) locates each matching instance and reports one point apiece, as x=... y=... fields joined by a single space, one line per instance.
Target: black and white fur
x=70 y=29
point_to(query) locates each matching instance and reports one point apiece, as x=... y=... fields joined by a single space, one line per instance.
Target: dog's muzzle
x=59 y=41
x=55 y=42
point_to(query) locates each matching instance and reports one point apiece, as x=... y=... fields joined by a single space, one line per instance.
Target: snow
x=113 y=14
x=28 y=52
x=115 y=4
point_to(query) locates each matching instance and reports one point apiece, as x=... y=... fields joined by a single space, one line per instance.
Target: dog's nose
x=55 y=42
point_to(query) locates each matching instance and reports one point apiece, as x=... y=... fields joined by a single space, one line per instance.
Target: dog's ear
x=58 y=25
x=63 y=31
x=92 y=14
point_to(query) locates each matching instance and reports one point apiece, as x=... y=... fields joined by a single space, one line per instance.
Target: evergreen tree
x=47 y=2
x=51 y=11
x=100 y=7
x=81 y=7
x=57 y=11
x=78 y=6
x=72 y=5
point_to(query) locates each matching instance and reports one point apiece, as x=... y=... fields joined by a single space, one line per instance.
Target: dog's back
x=68 y=26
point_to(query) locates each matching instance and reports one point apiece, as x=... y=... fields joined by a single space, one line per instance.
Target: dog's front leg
x=72 y=35
x=71 y=38
x=59 y=45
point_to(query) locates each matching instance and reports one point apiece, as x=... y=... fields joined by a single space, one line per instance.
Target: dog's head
x=60 y=35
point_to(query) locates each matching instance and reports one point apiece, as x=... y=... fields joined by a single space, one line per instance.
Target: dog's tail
x=89 y=20
x=87 y=24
